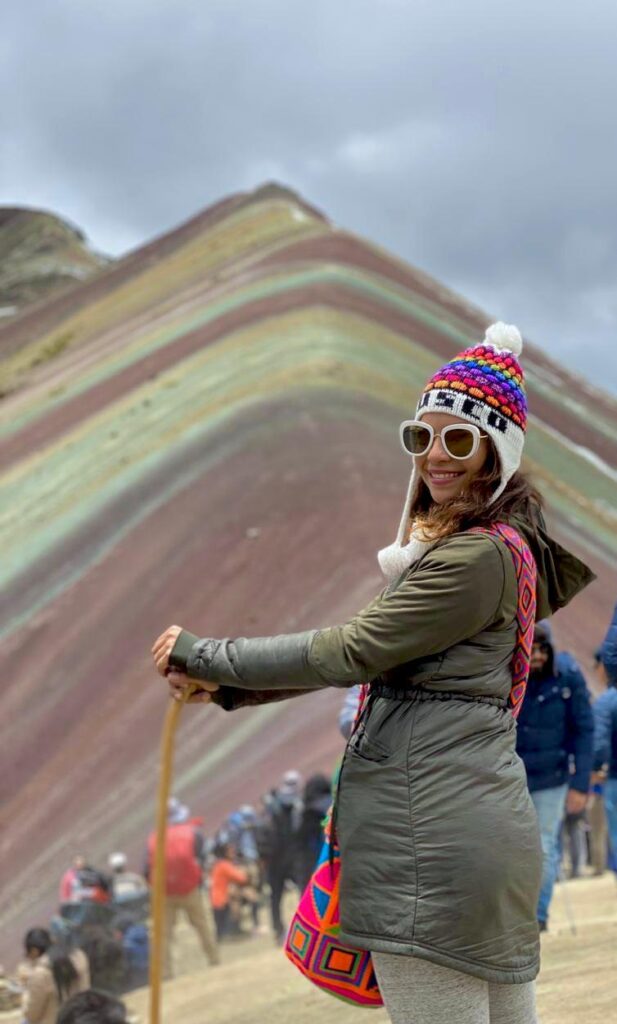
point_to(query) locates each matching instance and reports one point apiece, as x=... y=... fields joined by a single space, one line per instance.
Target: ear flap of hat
x=394 y=559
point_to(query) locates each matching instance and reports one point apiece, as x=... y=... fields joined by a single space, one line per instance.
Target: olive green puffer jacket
x=439 y=842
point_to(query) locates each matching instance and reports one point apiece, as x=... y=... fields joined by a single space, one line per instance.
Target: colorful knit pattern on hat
x=489 y=376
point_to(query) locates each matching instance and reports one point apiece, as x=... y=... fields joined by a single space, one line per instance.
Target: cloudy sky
x=475 y=139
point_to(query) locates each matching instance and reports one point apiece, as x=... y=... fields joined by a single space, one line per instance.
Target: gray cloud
x=474 y=140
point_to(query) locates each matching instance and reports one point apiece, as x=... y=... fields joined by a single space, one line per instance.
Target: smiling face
x=444 y=476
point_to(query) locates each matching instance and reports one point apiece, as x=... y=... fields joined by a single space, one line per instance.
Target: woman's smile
x=439 y=477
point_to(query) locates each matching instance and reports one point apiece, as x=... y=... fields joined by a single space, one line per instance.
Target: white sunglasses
x=458 y=440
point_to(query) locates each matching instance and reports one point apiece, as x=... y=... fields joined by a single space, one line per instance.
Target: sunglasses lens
x=458 y=442
x=416 y=439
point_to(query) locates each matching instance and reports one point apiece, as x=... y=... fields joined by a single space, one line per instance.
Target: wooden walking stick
x=158 y=868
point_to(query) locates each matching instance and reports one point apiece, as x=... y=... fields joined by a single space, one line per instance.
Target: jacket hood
x=561 y=575
x=543 y=634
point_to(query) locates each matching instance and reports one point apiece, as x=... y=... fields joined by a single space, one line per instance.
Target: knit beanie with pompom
x=484 y=385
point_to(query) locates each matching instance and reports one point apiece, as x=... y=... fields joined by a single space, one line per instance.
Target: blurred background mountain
x=40 y=254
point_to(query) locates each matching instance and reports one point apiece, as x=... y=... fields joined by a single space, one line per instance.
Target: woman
x=439 y=843
x=55 y=975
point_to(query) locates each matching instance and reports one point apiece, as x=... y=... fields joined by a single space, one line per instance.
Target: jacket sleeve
x=235 y=874
x=580 y=729
x=455 y=593
x=231 y=697
x=605 y=721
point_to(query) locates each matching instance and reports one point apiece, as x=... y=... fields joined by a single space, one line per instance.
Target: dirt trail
x=257 y=984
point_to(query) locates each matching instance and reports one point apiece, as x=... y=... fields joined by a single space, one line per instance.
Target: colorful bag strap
x=526 y=581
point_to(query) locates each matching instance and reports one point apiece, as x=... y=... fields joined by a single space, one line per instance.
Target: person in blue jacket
x=555 y=742
x=135 y=943
x=605 y=744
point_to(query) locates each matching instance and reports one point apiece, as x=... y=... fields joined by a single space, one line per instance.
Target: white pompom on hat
x=504 y=338
x=484 y=385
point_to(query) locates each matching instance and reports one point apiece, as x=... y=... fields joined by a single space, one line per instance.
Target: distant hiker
x=596 y=814
x=125 y=885
x=225 y=874
x=90 y=886
x=68 y=882
x=554 y=738
x=93 y=1007
x=278 y=840
x=184 y=858
x=242 y=830
x=439 y=840
x=56 y=975
x=104 y=949
x=316 y=801
x=136 y=947
x=605 y=745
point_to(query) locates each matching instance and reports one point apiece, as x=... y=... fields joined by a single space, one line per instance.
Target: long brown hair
x=472 y=508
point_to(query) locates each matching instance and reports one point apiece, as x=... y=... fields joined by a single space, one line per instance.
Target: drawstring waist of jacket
x=416 y=695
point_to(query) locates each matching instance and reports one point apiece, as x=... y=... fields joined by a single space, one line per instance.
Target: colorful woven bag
x=312 y=941
x=313 y=945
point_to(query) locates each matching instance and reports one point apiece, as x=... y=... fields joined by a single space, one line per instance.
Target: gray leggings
x=418 y=992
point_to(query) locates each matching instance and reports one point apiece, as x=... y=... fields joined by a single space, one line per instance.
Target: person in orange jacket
x=224 y=874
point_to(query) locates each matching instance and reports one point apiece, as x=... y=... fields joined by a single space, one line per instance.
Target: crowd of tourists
x=226 y=884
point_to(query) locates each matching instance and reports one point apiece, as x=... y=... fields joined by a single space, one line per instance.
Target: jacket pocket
x=368 y=749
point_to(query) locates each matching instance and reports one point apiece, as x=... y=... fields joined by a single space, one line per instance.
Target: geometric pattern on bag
x=313 y=944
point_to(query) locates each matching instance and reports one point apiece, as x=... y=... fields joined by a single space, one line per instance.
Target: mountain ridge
x=41 y=254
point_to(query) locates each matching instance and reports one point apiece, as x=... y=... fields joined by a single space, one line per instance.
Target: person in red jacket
x=68 y=882
x=184 y=852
